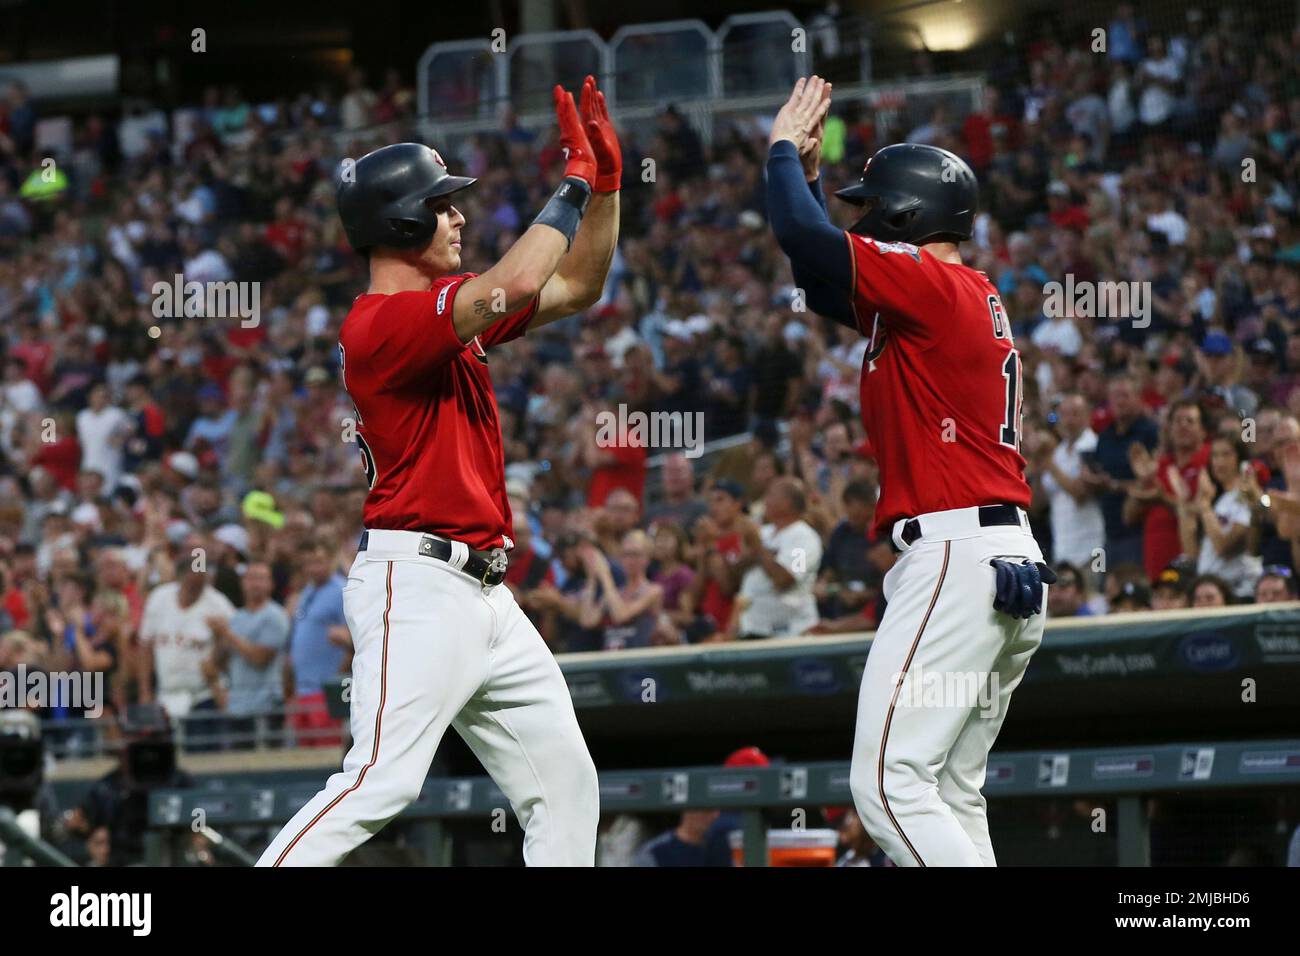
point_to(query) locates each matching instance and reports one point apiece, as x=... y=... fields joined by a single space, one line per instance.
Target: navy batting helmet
x=384 y=199
x=916 y=194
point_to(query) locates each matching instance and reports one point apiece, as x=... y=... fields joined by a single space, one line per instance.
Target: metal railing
x=1125 y=775
x=18 y=845
x=203 y=732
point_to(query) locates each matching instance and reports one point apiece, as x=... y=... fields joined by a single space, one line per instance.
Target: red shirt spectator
x=980 y=128
x=62 y=459
x=242 y=338
x=1160 y=543
x=626 y=470
x=286 y=234
x=715 y=602
x=16 y=604
x=38 y=357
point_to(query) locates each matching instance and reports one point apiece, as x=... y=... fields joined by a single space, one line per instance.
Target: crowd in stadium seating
x=180 y=496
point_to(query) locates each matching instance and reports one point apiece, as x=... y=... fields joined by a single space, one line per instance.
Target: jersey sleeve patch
x=885 y=247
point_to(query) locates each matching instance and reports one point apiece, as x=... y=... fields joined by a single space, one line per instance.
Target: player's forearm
x=587 y=266
x=579 y=281
x=800 y=225
x=512 y=283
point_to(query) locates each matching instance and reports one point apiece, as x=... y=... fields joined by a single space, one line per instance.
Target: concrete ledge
x=232 y=762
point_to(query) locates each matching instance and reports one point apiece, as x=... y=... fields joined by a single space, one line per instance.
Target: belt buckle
x=500 y=561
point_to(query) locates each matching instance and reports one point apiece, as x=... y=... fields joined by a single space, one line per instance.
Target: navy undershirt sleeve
x=819 y=256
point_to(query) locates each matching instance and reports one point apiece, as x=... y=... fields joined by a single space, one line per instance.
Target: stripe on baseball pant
x=893 y=702
x=935 y=690
x=433 y=651
x=379 y=724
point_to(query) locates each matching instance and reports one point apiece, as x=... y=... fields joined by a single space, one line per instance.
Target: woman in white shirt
x=1221 y=511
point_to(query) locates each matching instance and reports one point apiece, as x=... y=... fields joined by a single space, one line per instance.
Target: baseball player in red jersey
x=941 y=397
x=439 y=642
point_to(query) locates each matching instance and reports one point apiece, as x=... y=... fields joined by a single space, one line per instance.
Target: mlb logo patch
x=904 y=247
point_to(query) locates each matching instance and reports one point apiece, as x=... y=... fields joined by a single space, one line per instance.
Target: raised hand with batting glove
x=603 y=138
x=580 y=159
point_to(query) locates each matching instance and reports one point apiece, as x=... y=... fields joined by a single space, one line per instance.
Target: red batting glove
x=581 y=161
x=604 y=141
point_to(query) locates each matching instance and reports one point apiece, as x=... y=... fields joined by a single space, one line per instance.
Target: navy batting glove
x=1019 y=586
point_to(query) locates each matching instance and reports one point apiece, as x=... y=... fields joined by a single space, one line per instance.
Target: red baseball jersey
x=427 y=423
x=941 y=383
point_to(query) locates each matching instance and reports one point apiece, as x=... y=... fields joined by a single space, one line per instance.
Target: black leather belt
x=990 y=516
x=489 y=567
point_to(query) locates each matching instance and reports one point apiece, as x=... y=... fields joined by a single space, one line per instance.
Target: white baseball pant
x=923 y=734
x=432 y=650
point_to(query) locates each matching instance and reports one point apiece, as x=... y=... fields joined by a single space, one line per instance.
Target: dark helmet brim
x=451 y=184
x=857 y=194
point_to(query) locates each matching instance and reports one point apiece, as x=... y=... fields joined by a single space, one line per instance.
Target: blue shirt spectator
x=315 y=657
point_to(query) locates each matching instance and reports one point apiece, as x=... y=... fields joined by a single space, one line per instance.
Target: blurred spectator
x=1132 y=596
x=779 y=565
x=1169 y=591
x=629 y=613
x=848 y=583
x=1165 y=482
x=318 y=646
x=358 y=105
x=1056 y=472
x=1222 y=372
x=1068 y=597
x=718 y=549
x=1275 y=584
x=569 y=623
x=528 y=569
x=1210 y=591
x=679 y=503
x=119 y=802
x=728 y=387
x=1215 y=520
x=616 y=459
x=248 y=649
x=1112 y=473
x=176 y=638
x=673 y=573
x=858 y=849
x=687 y=844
